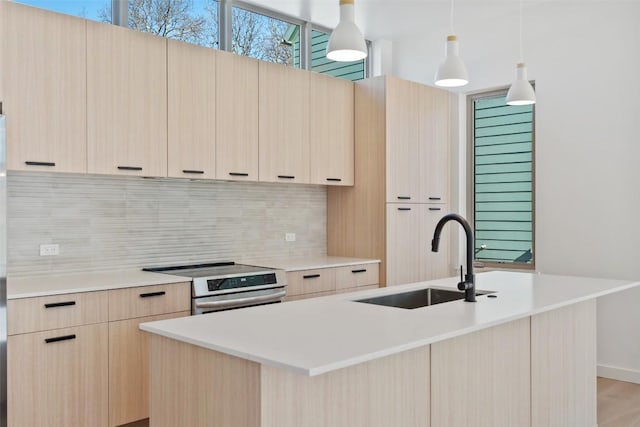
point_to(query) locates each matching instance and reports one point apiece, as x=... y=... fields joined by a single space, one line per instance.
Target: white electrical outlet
x=49 y=250
x=290 y=237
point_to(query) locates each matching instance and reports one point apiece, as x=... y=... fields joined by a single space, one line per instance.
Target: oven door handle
x=240 y=301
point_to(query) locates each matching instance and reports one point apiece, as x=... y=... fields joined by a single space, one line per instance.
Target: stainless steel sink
x=417 y=299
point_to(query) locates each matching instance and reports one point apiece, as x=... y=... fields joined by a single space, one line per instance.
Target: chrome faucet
x=468 y=284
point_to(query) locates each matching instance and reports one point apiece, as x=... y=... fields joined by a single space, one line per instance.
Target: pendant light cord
x=521 y=50
x=451 y=19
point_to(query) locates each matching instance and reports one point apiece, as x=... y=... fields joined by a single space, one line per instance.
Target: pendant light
x=521 y=92
x=346 y=42
x=452 y=72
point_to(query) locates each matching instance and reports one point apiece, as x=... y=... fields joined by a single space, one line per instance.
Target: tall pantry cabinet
x=401 y=181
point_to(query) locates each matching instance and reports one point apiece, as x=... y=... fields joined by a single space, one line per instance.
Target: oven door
x=209 y=304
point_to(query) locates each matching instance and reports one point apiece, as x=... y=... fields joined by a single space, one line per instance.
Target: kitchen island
x=525 y=354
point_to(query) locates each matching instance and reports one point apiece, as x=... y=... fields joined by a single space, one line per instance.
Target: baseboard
x=620 y=374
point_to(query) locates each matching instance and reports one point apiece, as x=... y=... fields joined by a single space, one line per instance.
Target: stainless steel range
x=226 y=285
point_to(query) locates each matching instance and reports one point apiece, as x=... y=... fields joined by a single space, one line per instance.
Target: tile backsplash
x=104 y=222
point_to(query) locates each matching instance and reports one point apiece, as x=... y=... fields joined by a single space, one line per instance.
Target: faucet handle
x=461 y=284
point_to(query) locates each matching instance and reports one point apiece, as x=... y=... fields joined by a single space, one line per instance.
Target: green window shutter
x=503 y=180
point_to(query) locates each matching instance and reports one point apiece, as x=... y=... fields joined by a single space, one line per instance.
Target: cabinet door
x=191 y=110
x=129 y=369
x=434 y=145
x=284 y=124
x=127 y=101
x=405 y=250
x=237 y=117
x=44 y=67
x=403 y=136
x=59 y=377
x=331 y=130
x=435 y=265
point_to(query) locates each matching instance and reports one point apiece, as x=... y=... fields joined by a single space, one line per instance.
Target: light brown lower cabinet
x=58 y=378
x=321 y=282
x=129 y=369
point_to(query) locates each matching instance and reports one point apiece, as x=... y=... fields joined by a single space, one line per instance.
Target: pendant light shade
x=521 y=92
x=346 y=42
x=452 y=72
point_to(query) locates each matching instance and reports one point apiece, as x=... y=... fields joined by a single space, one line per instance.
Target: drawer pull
x=435 y=198
x=404 y=198
x=334 y=179
x=192 y=171
x=61 y=338
x=153 y=294
x=286 y=177
x=129 y=168
x=59 y=304
x=404 y=209
x=238 y=174
x=362 y=270
x=310 y=276
x=30 y=163
x=434 y=209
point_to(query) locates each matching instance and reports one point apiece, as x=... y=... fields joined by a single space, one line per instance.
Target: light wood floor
x=618 y=405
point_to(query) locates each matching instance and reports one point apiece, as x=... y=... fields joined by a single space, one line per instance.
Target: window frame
x=470 y=182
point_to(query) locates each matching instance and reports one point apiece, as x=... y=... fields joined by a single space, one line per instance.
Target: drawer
x=149 y=300
x=311 y=281
x=357 y=275
x=56 y=311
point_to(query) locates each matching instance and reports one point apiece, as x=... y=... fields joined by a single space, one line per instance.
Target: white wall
x=585 y=59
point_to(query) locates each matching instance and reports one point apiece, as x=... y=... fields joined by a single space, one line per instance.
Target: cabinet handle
x=435 y=198
x=129 y=168
x=310 y=276
x=30 y=163
x=434 y=209
x=191 y=171
x=59 y=304
x=335 y=179
x=238 y=174
x=404 y=209
x=60 y=338
x=362 y=270
x=404 y=198
x=152 y=294
x=286 y=177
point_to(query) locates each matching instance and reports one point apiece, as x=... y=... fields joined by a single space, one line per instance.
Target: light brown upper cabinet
x=417 y=130
x=191 y=124
x=237 y=117
x=434 y=145
x=284 y=123
x=331 y=130
x=126 y=101
x=44 y=67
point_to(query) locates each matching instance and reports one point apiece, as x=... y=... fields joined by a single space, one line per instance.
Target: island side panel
x=391 y=391
x=483 y=379
x=193 y=386
x=563 y=366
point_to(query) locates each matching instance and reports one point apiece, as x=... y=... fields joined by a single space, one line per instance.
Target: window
x=97 y=10
x=502 y=142
x=263 y=37
x=192 y=21
x=321 y=64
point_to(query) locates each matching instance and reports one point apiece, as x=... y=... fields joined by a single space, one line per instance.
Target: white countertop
x=309 y=262
x=319 y=335
x=37 y=286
